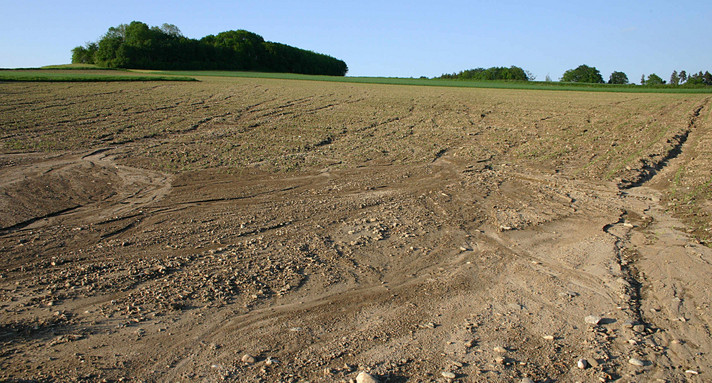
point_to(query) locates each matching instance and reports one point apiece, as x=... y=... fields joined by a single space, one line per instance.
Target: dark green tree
x=618 y=78
x=642 y=79
x=513 y=73
x=683 y=77
x=136 y=45
x=654 y=79
x=583 y=73
x=674 y=78
x=85 y=54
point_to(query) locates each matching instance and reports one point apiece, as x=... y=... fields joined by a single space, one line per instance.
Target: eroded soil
x=162 y=232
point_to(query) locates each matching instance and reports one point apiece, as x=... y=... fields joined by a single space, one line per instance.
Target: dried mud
x=273 y=230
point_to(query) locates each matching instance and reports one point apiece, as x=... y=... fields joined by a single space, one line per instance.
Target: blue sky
x=398 y=38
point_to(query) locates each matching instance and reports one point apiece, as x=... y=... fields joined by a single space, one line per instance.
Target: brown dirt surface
x=260 y=230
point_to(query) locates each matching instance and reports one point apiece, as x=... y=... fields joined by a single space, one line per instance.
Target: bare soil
x=166 y=232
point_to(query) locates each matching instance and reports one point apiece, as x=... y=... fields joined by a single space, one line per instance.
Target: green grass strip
x=525 y=85
x=42 y=76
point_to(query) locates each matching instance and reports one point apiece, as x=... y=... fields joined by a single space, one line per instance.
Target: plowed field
x=285 y=231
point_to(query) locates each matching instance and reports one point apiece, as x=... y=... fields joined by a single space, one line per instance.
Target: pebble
x=636 y=362
x=500 y=349
x=365 y=377
x=247 y=358
x=582 y=364
x=592 y=319
x=527 y=380
x=548 y=337
x=691 y=372
x=499 y=360
x=448 y=374
x=638 y=328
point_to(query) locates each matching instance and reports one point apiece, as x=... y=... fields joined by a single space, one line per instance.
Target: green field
x=83 y=74
x=92 y=73
x=528 y=85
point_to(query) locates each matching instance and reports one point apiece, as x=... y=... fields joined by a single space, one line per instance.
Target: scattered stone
x=365 y=377
x=628 y=324
x=636 y=362
x=691 y=372
x=638 y=328
x=527 y=380
x=592 y=319
x=469 y=343
x=247 y=358
x=500 y=349
x=548 y=337
x=448 y=374
x=499 y=360
x=582 y=364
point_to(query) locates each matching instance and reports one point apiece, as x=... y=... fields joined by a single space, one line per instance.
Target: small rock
x=582 y=364
x=448 y=374
x=638 y=328
x=628 y=324
x=691 y=372
x=247 y=358
x=365 y=377
x=527 y=380
x=499 y=360
x=500 y=349
x=636 y=362
x=469 y=343
x=592 y=319
x=548 y=337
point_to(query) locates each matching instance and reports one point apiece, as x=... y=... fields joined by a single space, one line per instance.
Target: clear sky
x=398 y=38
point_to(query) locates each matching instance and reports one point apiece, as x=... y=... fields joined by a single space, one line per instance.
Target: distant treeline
x=494 y=73
x=588 y=74
x=139 y=46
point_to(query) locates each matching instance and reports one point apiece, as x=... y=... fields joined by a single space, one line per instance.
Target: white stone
x=365 y=377
x=592 y=319
x=582 y=364
x=636 y=362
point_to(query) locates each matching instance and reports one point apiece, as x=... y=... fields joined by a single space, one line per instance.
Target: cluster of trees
x=138 y=46
x=583 y=73
x=681 y=78
x=493 y=73
x=587 y=74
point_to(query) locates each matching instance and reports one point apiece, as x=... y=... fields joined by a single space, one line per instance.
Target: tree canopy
x=493 y=73
x=618 y=78
x=138 y=46
x=583 y=73
x=654 y=79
